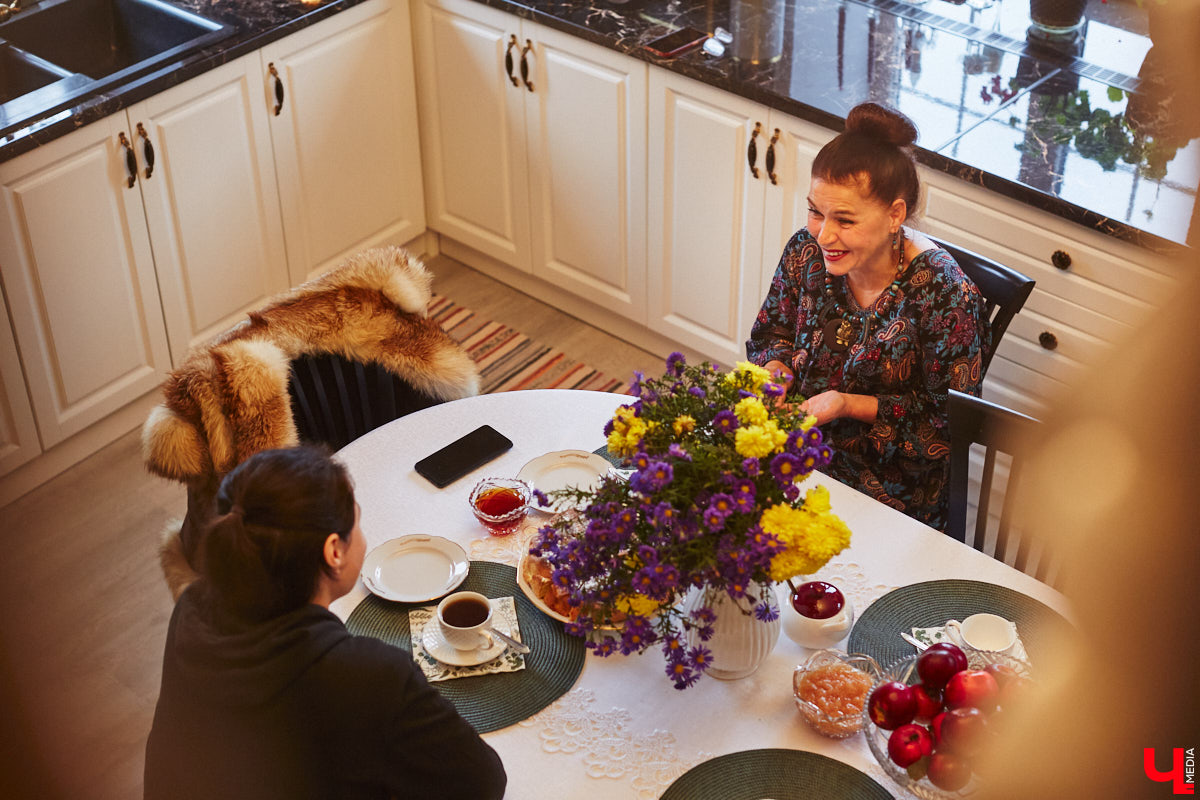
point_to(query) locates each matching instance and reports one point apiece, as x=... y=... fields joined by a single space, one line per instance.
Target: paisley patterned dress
x=918 y=340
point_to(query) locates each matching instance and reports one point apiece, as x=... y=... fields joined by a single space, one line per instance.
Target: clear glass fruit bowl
x=905 y=671
x=827 y=693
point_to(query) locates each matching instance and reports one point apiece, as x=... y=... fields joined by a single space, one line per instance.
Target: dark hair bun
x=881 y=123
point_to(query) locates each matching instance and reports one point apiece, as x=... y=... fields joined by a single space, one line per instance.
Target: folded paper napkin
x=504 y=619
x=930 y=636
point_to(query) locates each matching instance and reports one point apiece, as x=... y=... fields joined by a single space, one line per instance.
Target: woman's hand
x=831 y=405
x=826 y=406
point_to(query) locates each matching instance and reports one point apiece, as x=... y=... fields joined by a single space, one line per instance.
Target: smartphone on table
x=462 y=456
x=676 y=42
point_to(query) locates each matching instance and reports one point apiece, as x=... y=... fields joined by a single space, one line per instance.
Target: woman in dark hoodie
x=264 y=692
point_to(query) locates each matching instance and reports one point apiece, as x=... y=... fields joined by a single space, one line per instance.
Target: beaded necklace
x=841 y=331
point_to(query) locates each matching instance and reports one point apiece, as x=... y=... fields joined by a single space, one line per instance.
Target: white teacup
x=462 y=618
x=990 y=632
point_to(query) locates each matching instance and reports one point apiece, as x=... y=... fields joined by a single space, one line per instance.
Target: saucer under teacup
x=436 y=646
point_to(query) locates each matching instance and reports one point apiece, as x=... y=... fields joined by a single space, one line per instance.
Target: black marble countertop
x=1084 y=135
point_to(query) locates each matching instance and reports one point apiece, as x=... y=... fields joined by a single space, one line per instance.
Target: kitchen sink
x=21 y=73
x=97 y=43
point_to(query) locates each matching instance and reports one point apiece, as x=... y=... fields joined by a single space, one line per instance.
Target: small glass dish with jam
x=831 y=690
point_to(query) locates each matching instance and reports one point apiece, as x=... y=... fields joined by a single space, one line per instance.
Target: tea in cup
x=500 y=504
x=462 y=618
x=990 y=632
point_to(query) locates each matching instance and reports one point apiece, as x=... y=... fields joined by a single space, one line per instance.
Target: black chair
x=1004 y=289
x=998 y=430
x=336 y=400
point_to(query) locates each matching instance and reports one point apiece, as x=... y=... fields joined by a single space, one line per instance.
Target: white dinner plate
x=562 y=469
x=415 y=568
x=436 y=645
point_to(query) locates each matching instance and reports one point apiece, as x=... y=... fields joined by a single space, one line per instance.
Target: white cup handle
x=954 y=632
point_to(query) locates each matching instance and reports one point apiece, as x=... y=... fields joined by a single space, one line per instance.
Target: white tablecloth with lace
x=623 y=731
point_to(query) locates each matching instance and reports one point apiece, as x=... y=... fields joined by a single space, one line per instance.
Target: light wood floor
x=83 y=606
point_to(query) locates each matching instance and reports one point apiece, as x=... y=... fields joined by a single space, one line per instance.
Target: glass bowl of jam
x=831 y=690
x=500 y=504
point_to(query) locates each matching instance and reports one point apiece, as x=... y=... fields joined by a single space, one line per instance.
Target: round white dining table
x=623 y=731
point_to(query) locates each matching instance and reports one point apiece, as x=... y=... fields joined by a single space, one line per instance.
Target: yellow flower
x=807 y=422
x=812 y=535
x=758 y=376
x=638 y=604
x=751 y=411
x=754 y=441
x=684 y=423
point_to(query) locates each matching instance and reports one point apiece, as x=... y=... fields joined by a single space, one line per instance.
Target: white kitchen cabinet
x=728 y=180
x=535 y=150
x=18 y=433
x=79 y=278
x=1095 y=297
x=347 y=144
x=211 y=203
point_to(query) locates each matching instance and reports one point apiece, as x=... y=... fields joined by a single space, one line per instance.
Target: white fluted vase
x=740 y=641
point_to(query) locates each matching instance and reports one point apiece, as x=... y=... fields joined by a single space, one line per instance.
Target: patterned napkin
x=504 y=619
x=930 y=636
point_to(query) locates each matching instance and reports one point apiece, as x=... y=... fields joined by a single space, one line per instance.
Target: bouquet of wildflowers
x=712 y=502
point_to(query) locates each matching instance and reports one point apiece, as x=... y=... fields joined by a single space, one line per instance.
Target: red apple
x=949 y=771
x=1014 y=692
x=891 y=705
x=929 y=703
x=964 y=731
x=938 y=663
x=817 y=600
x=972 y=687
x=1003 y=673
x=935 y=728
x=909 y=744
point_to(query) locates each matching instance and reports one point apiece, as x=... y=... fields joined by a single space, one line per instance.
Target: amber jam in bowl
x=831 y=690
x=500 y=504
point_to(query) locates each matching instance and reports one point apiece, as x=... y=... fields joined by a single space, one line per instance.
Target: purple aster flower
x=772 y=389
x=540 y=498
x=766 y=612
x=641 y=460
x=714 y=519
x=637 y=635
x=812 y=437
x=786 y=468
x=700 y=657
x=791 y=493
x=722 y=503
x=675 y=363
x=795 y=442
x=635 y=388
x=652 y=477
x=608 y=428
x=751 y=467
x=696 y=391
x=725 y=421
x=664 y=514
x=675 y=450
x=647 y=554
x=825 y=453
x=625 y=521
x=604 y=647
x=744 y=393
x=682 y=674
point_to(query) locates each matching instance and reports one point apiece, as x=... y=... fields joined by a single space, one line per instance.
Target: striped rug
x=509 y=360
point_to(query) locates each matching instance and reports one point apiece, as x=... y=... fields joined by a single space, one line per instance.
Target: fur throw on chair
x=229 y=399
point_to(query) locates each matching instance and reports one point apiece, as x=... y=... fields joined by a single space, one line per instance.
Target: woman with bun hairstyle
x=264 y=692
x=869 y=324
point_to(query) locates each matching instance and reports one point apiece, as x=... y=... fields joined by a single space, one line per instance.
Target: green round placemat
x=775 y=773
x=495 y=701
x=930 y=604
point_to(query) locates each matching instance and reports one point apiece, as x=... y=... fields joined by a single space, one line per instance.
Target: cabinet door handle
x=147 y=149
x=130 y=159
x=771 y=159
x=752 y=150
x=1048 y=340
x=1061 y=259
x=525 y=64
x=508 y=59
x=278 y=87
